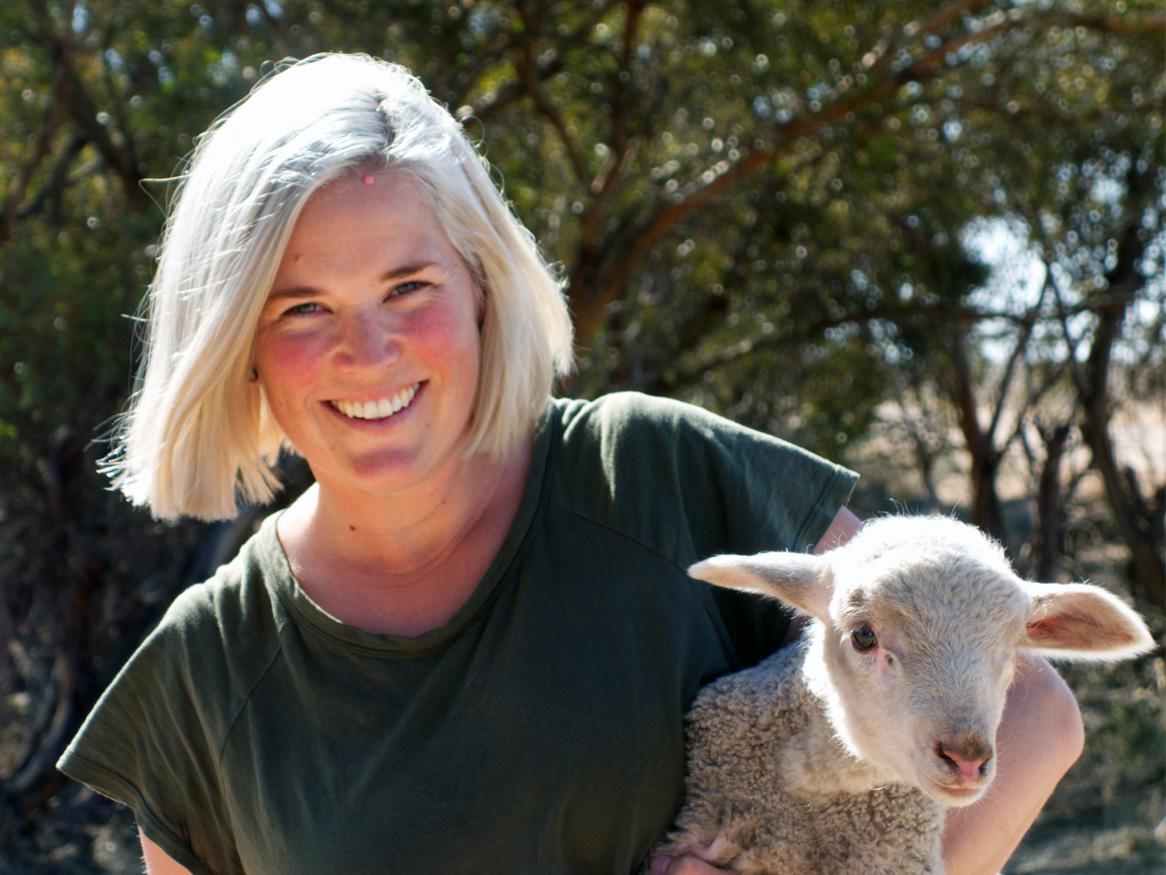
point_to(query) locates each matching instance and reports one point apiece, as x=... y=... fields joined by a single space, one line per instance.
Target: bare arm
x=158 y=862
x=842 y=528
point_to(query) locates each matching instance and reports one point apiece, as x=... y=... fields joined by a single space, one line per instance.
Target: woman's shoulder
x=666 y=465
x=233 y=615
x=635 y=462
x=624 y=407
x=628 y=419
x=196 y=668
x=610 y=437
x=208 y=648
x=154 y=737
x=634 y=433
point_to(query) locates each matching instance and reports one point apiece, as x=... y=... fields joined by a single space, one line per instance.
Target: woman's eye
x=304 y=309
x=863 y=638
x=407 y=287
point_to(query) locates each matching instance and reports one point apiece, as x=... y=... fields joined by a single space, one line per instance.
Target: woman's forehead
x=363 y=187
x=363 y=222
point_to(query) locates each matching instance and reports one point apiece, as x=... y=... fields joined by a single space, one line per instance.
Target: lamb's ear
x=1081 y=621
x=798 y=579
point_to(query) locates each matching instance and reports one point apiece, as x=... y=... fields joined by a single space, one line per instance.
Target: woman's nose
x=369 y=340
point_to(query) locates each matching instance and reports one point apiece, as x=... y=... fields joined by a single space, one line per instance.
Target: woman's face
x=368 y=347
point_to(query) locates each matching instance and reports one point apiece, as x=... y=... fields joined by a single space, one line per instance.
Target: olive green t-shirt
x=540 y=730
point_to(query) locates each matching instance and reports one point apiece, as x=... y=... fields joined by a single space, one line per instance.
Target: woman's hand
x=685 y=864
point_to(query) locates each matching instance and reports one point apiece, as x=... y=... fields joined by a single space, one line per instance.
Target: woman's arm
x=158 y=862
x=842 y=528
x=1040 y=737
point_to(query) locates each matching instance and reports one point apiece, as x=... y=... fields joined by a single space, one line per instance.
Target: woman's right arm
x=158 y=862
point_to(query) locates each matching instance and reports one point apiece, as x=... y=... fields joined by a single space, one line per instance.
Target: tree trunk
x=1139 y=520
x=1050 y=533
x=986 y=511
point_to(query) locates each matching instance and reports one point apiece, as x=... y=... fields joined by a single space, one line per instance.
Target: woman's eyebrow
x=310 y=291
x=408 y=269
x=293 y=292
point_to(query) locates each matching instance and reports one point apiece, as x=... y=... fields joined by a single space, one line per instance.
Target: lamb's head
x=917 y=623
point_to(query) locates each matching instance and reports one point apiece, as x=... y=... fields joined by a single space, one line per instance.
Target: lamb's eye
x=863 y=638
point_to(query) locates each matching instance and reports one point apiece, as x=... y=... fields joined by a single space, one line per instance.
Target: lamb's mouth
x=382 y=408
x=956 y=796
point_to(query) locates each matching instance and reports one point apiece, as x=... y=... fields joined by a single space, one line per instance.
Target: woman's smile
x=380 y=409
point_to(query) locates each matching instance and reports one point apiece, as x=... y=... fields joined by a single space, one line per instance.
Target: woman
x=470 y=645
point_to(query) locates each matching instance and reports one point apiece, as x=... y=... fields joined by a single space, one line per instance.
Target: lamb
x=841 y=754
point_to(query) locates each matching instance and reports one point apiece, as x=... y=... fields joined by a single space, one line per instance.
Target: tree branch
x=882 y=54
x=59 y=179
x=688 y=372
x=1027 y=324
x=620 y=104
x=548 y=65
x=591 y=302
x=54 y=116
x=79 y=105
x=528 y=75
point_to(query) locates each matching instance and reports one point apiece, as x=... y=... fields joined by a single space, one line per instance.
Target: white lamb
x=840 y=755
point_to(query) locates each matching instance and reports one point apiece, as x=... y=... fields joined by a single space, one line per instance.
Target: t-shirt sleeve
x=149 y=743
x=694 y=485
x=749 y=492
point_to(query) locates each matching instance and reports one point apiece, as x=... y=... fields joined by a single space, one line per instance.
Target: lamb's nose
x=968 y=758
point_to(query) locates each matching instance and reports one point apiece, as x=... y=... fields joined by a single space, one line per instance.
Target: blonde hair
x=198 y=437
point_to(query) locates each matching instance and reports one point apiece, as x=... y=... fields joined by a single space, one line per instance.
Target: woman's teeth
x=381 y=409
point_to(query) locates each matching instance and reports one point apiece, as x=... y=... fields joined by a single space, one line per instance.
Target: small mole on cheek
x=352 y=528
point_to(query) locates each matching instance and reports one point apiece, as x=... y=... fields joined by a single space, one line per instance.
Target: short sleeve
x=692 y=484
x=149 y=743
x=767 y=494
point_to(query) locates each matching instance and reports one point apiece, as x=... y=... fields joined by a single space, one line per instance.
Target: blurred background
x=924 y=239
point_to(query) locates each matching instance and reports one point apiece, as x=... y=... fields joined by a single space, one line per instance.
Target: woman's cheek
x=292 y=358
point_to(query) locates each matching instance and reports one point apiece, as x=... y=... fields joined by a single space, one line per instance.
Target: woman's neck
x=404 y=563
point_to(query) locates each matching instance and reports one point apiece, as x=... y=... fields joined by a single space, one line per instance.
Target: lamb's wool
x=744 y=792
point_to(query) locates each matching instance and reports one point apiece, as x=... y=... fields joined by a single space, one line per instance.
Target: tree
x=759 y=206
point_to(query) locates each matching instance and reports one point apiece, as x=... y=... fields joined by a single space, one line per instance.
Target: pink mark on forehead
x=368 y=179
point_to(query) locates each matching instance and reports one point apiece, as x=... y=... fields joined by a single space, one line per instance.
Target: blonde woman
x=470 y=645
